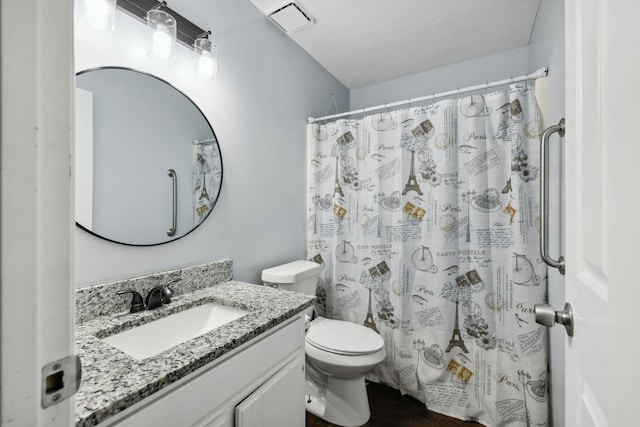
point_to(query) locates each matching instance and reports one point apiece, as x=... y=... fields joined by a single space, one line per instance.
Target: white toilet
x=338 y=353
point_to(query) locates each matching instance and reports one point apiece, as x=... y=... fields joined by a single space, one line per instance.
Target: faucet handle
x=167 y=292
x=154 y=298
x=137 y=302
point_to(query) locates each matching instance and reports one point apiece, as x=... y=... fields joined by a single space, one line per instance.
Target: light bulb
x=163 y=34
x=206 y=58
x=97 y=13
x=206 y=65
x=162 y=42
x=161 y=38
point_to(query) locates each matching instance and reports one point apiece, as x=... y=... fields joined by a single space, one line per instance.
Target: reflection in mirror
x=131 y=130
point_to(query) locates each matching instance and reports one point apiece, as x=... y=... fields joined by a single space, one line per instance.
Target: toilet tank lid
x=291 y=272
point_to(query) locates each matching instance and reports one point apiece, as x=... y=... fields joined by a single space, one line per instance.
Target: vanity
x=248 y=371
x=221 y=352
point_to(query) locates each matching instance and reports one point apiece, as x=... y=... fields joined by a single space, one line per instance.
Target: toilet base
x=344 y=402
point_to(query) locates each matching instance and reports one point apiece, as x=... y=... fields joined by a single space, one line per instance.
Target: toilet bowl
x=338 y=353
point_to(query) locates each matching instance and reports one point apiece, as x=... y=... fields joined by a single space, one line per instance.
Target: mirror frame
x=114 y=67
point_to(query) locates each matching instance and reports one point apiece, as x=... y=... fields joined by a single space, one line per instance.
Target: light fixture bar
x=187 y=31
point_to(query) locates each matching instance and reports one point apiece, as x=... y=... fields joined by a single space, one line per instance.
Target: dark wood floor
x=389 y=408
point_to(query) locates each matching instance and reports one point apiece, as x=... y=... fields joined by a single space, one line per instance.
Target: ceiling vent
x=290 y=18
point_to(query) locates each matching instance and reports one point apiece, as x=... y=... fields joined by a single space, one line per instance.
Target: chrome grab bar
x=174 y=178
x=544 y=197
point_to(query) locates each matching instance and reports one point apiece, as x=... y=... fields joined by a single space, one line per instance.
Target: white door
x=603 y=211
x=36 y=223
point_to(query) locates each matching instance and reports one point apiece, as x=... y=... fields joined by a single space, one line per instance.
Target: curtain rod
x=542 y=72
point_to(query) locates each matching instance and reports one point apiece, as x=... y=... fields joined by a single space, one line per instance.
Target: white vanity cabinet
x=260 y=383
x=276 y=402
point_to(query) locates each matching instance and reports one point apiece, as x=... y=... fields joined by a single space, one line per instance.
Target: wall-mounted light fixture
x=166 y=26
x=162 y=34
x=99 y=14
x=186 y=31
x=206 y=57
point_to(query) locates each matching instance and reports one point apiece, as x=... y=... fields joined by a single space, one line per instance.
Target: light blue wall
x=267 y=86
x=476 y=71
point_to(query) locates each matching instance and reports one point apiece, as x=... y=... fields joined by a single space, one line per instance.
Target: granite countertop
x=113 y=381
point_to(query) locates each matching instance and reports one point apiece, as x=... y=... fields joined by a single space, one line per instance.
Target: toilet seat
x=341 y=337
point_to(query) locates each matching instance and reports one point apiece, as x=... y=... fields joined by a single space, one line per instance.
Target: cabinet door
x=278 y=402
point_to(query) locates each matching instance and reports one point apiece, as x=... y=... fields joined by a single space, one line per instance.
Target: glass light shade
x=99 y=14
x=162 y=28
x=206 y=58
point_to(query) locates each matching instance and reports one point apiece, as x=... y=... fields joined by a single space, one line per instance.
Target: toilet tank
x=299 y=276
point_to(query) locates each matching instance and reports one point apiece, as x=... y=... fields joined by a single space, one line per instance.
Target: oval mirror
x=148 y=164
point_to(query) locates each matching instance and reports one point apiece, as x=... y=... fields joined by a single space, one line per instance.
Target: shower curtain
x=426 y=222
x=205 y=180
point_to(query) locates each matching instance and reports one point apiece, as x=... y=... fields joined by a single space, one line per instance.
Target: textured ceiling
x=362 y=42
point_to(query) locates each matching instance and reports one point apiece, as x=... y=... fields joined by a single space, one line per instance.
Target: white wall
x=547 y=48
x=266 y=88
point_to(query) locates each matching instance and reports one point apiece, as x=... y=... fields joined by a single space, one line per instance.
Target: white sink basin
x=155 y=337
